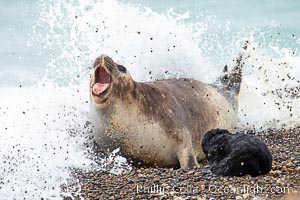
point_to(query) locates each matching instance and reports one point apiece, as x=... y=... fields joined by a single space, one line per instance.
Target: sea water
x=47 y=50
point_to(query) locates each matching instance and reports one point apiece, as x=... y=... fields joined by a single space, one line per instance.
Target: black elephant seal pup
x=236 y=154
x=159 y=123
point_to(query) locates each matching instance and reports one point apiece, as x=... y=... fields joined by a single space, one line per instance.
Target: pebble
x=239 y=198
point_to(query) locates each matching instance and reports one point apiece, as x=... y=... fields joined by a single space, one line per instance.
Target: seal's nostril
x=104 y=61
x=101 y=60
x=107 y=61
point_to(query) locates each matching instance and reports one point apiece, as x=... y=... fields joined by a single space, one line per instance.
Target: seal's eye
x=122 y=68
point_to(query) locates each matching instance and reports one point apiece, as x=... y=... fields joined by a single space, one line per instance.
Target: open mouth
x=102 y=82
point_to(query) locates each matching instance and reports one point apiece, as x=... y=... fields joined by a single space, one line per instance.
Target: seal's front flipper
x=186 y=155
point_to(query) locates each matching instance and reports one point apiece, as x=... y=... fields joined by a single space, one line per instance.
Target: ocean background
x=47 y=49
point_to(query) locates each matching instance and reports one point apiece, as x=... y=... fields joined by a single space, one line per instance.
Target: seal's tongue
x=99 y=88
x=102 y=81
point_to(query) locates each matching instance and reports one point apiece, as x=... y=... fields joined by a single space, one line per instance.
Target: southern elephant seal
x=159 y=123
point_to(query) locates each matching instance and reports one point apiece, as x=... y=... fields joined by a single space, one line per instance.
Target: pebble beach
x=283 y=181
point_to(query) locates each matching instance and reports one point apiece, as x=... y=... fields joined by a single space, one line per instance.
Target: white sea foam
x=137 y=37
x=38 y=147
x=270 y=94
